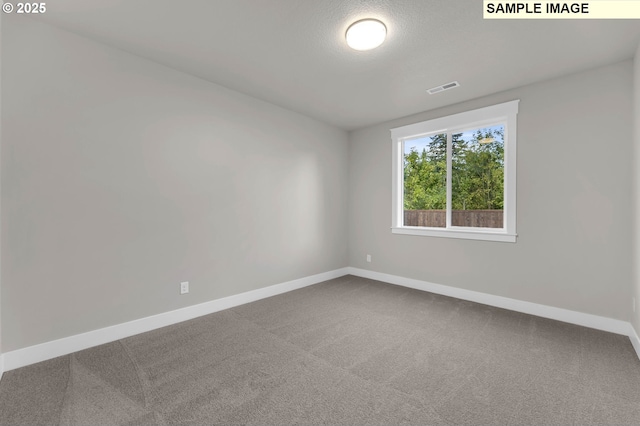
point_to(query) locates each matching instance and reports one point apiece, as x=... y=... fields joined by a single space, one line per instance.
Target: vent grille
x=442 y=88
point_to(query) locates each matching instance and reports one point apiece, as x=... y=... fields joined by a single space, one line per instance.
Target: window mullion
x=449 y=174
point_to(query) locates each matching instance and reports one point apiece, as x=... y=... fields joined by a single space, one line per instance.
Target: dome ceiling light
x=366 y=34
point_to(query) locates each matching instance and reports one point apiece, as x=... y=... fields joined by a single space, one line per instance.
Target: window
x=455 y=176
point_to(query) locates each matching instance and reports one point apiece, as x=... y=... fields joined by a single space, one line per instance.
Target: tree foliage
x=477 y=172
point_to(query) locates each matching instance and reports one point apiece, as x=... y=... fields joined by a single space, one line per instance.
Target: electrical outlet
x=369 y=258
x=184 y=287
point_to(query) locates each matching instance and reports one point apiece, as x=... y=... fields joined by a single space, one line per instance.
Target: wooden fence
x=438 y=218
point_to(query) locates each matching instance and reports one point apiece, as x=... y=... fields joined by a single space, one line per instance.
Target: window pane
x=477 y=177
x=425 y=181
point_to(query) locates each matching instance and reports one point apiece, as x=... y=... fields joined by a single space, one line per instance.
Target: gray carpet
x=347 y=351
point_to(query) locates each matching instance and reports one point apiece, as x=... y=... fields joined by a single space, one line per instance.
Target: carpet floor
x=347 y=351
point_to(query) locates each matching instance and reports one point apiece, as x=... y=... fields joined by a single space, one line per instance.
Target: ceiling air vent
x=444 y=87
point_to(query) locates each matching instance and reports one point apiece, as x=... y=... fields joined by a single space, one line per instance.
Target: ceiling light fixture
x=366 y=34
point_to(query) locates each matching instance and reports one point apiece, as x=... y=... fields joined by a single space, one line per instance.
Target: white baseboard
x=44 y=351
x=565 y=315
x=635 y=340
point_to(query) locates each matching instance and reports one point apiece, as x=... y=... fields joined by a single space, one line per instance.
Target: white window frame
x=504 y=113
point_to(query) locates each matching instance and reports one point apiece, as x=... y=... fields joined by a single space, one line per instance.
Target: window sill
x=467 y=234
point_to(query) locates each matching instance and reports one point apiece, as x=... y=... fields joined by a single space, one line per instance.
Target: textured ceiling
x=292 y=52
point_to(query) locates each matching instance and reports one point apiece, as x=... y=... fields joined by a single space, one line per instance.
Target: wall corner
x=635 y=293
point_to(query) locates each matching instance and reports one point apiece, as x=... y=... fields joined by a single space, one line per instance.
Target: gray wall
x=574 y=201
x=1 y=366
x=636 y=197
x=121 y=178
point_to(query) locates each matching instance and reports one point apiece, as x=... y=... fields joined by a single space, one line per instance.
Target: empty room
x=319 y=212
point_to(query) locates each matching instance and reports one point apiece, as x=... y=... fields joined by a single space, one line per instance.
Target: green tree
x=424 y=182
x=481 y=173
x=477 y=172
